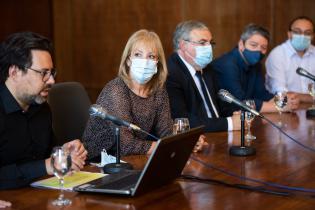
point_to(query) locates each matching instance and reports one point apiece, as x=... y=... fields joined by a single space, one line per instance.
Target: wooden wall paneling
x=226 y=19
x=26 y=15
x=98 y=32
x=90 y=35
x=63 y=40
x=285 y=11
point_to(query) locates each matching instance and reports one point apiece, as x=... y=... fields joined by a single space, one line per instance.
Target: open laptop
x=164 y=165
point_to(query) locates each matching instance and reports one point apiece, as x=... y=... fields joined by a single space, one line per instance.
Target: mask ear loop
x=187 y=42
x=242 y=45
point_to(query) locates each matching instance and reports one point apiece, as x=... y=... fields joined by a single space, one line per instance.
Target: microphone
x=228 y=97
x=305 y=73
x=224 y=95
x=97 y=110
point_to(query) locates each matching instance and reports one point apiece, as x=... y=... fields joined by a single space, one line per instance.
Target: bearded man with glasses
x=26 y=136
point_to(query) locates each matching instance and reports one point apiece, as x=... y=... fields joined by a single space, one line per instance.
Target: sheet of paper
x=70 y=181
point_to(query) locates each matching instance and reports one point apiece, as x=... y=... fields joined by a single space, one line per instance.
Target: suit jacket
x=241 y=80
x=186 y=101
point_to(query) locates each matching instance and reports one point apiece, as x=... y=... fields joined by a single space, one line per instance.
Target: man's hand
x=200 y=143
x=293 y=101
x=77 y=152
x=49 y=168
x=236 y=119
x=4 y=204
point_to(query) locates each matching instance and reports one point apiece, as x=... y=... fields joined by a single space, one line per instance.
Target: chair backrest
x=69 y=103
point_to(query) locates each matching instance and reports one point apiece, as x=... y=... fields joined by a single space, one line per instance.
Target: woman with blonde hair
x=137 y=95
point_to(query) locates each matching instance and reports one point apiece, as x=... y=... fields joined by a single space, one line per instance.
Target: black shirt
x=26 y=139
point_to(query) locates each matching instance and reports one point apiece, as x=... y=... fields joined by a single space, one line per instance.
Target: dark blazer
x=186 y=101
x=241 y=80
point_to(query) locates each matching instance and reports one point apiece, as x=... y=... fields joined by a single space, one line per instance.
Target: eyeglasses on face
x=298 y=31
x=46 y=74
x=202 y=42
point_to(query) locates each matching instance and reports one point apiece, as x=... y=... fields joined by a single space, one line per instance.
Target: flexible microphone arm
x=304 y=73
x=99 y=111
x=224 y=95
x=228 y=97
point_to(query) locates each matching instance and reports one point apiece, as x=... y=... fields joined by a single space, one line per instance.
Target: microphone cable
x=149 y=134
x=294 y=140
x=270 y=184
x=238 y=186
x=224 y=95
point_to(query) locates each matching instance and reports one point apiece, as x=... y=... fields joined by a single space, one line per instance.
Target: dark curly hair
x=16 y=50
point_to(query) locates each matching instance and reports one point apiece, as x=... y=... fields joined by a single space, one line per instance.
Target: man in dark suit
x=191 y=84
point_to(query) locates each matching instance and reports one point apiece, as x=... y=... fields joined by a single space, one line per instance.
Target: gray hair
x=183 y=29
x=253 y=29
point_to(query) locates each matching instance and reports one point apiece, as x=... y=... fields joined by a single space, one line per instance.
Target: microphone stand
x=242 y=150
x=117 y=167
x=310 y=112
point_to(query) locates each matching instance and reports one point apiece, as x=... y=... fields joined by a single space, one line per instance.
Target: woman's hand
x=200 y=143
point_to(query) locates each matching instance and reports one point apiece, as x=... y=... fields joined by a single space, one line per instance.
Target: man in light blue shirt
x=283 y=60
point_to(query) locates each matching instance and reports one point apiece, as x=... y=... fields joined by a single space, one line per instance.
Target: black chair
x=69 y=103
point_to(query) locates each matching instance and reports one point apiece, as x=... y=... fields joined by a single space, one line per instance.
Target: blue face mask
x=142 y=70
x=300 y=42
x=252 y=57
x=203 y=55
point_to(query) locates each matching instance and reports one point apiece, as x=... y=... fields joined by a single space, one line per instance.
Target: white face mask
x=142 y=70
x=300 y=42
x=203 y=55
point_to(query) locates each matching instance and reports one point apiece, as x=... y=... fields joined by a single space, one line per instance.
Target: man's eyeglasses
x=202 y=43
x=46 y=74
x=300 y=32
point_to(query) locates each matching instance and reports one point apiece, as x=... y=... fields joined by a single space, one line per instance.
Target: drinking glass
x=311 y=90
x=180 y=125
x=280 y=100
x=249 y=117
x=61 y=164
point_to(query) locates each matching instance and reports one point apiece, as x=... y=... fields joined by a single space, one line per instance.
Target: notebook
x=163 y=166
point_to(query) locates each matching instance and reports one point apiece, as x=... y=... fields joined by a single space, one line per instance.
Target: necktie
x=206 y=95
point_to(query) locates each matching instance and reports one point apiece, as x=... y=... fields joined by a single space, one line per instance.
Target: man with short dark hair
x=26 y=137
x=297 y=51
x=190 y=84
x=240 y=71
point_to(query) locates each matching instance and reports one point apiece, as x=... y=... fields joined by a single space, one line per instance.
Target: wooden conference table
x=278 y=160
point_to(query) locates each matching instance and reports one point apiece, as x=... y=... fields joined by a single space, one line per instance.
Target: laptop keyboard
x=125 y=182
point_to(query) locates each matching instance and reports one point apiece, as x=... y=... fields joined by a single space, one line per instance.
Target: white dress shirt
x=281 y=66
x=192 y=71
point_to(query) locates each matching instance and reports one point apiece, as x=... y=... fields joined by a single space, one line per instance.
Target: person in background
x=191 y=85
x=297 y=51
x=26 y=137
x=137 y=95
x=240 y=71
x=4 y=204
